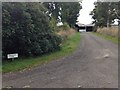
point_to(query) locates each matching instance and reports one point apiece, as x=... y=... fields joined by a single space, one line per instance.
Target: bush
x=66 y=26
x=26 y=30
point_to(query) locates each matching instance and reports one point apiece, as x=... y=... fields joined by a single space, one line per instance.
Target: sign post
x=12 y=56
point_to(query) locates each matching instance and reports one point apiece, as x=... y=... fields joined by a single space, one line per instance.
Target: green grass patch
x=66 y=49
x=113 y=39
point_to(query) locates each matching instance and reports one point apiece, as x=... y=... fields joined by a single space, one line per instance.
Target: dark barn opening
x=89 y=28
x=82 y=27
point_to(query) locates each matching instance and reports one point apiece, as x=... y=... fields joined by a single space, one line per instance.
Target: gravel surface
x=93 y=65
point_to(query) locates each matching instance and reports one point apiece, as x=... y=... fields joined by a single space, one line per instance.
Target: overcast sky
x=87 y=7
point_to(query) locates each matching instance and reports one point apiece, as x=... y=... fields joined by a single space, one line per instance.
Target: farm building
x=84 y=28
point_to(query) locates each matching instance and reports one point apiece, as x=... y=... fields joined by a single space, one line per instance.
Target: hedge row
x=26 y=30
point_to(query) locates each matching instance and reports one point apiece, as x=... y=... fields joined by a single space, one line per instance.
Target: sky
x=87 y=7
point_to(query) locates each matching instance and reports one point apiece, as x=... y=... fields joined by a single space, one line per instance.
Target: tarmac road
x=93 y=65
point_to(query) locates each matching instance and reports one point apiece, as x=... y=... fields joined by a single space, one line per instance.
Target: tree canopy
x=105 y=13
x=66 y=10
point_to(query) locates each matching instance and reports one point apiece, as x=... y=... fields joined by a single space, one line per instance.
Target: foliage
x=69 y=11
x=65 y=27
x=53 y=24
x=104 y=13
x=26 y=30
x=118 y=12
x=67 y=48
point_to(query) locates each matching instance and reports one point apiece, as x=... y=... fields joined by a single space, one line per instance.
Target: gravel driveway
x=93 y=65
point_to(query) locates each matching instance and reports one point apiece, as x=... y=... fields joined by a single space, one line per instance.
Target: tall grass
x=111 y=31
x=65 y=34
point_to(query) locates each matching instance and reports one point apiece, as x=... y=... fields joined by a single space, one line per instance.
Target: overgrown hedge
x=26 y=30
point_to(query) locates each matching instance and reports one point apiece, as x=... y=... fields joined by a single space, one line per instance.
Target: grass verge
x=67 y=48
x=113 y=39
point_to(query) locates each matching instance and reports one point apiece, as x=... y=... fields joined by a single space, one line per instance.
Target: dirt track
x=93 y=65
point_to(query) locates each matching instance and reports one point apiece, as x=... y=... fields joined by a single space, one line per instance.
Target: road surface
x=93 y=65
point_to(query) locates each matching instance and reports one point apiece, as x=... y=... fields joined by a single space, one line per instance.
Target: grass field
x=109 y=33
x=108 y=37
x=66 y=49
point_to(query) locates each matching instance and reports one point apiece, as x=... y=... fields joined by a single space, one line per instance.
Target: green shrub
x=66 y=26
x=26 y=30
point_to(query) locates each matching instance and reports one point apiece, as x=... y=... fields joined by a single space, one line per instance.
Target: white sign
x=12 y=55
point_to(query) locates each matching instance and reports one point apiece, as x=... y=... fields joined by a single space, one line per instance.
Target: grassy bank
x=109 y=33
x=108 y=37
x=66 y=48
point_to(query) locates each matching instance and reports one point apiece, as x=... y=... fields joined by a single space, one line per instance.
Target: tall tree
x=68 y=11
x=104 y=13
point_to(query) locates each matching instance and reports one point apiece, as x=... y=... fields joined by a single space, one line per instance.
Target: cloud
x=87 y=7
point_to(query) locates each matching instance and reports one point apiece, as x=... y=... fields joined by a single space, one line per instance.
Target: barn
x=84 y=28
